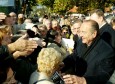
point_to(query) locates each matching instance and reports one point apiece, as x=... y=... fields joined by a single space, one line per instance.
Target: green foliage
x=47 y=3
x=62 y=6
x=4 y=9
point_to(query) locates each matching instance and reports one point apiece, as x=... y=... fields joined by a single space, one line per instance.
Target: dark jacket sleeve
x=74 y=65
x=103 y=71
x=3 y=52
x=23 y=69
x=5 y=56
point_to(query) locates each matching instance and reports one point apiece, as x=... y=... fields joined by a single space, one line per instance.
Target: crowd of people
x=33 y=52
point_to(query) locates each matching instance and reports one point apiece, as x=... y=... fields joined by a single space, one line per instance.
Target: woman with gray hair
x=48 y=62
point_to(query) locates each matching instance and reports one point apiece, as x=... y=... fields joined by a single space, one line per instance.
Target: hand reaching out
x=73 y=79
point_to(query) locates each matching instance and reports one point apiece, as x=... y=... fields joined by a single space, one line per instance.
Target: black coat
x=6 y=61
x=22 y=67
x=108 y=34
x=98 y=58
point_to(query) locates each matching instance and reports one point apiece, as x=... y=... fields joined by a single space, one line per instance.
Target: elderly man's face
x=86 y=33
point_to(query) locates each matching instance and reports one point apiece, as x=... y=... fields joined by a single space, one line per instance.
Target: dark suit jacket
x=98 y=58
x=108 y=34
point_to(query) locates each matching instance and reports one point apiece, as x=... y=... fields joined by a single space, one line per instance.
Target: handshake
x=39 y=41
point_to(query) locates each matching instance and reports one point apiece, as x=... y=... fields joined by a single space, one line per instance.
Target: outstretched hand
x=23 y=44
x=73 y=79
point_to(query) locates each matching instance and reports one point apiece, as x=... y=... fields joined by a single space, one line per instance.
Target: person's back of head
x=48 y=61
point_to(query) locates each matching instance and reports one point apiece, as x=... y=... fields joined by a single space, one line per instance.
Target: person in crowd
x=61 y=20
x=45 y=17
x=113 y=23
x=112 y=78
x=66 y=32
x=6 y=34
x=54 y=41
x=10 y=52
x=13 y=14
x=66 y=20
x=41 y=20
x=92 y=61
x=20 y=18
x=106 y=31
x=48 y=24
x=5 y=39
x=42 y=29
x=75 y=29
x=8 y=20
x=48 y=62
x=15 y=27
x=2 y=17
x=55 y=25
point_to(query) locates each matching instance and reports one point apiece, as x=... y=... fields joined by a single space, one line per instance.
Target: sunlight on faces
x=54 y=24
x=48 y=24
x=42 y=30
x=86 y=33
x=95 y=17
x=75 y=28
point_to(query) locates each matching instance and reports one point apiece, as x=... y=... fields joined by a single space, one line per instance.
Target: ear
x=94 y=34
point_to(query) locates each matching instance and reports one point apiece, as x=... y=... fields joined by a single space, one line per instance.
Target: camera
x=57 y=78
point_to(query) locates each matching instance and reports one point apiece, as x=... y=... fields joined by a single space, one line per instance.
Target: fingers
x=22 y=45
x=31 y=45
x=70 y=79
x=24 y=36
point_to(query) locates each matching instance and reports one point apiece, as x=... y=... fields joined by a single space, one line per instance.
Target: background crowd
x=32 y=49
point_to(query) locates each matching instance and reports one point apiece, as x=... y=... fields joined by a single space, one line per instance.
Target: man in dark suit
x=106 y=31
x=93 y=59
